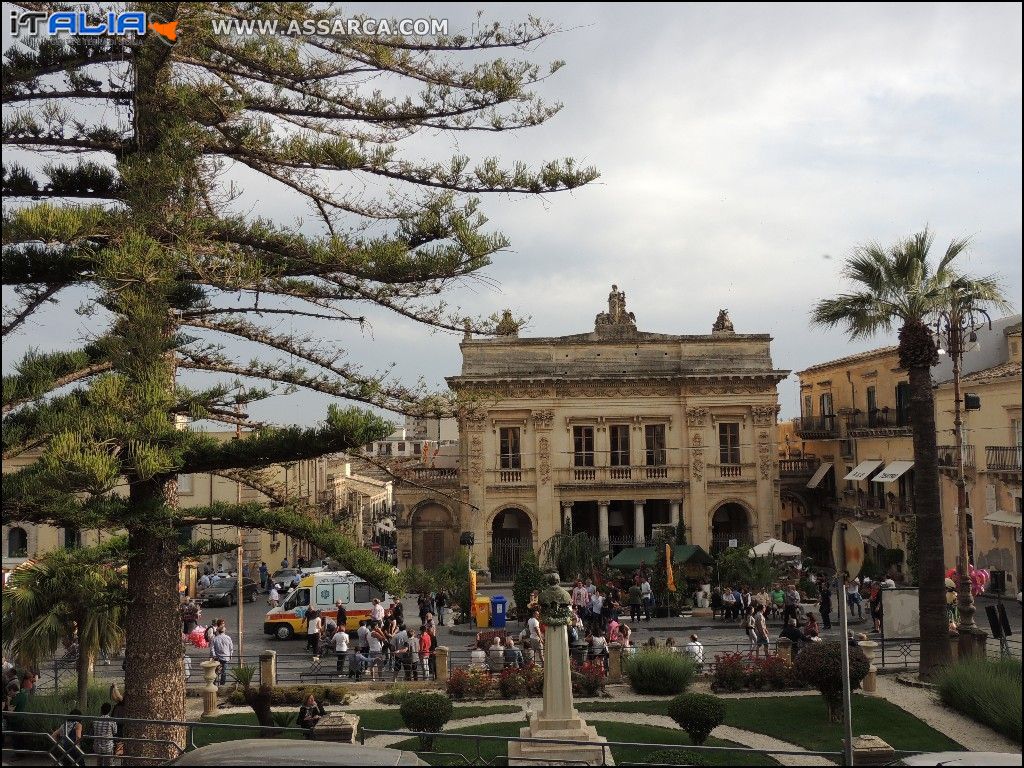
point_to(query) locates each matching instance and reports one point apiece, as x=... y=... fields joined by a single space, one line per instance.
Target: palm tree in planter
x=898 y=287
x=43 y=598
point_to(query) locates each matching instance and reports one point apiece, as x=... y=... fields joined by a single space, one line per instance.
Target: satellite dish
x=847 y=533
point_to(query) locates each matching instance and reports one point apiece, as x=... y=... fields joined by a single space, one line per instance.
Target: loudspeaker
x=467 y=539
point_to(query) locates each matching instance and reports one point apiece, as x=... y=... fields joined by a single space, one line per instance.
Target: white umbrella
x=776 y=548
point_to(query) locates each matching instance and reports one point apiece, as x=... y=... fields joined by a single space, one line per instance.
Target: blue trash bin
x=498 y=606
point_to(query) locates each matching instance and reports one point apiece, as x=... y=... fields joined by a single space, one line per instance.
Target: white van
x=323 y=590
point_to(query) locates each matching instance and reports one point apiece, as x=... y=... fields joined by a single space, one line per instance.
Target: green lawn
x=381 y=719
x=628 y=732
x=802 y=720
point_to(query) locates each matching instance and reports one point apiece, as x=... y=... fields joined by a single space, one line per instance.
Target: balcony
x=504 y=478
x=434 y=475
x=1003 y=459
x=798 y=467
x=879 y=422
x=859 y=504
x=731 y=472
x=816 y=427
x=625 y=475
x=947 y=459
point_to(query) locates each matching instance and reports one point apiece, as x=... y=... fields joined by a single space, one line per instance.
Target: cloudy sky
x=744 y=151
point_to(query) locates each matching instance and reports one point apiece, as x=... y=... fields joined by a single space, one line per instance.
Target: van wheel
x=283 y=632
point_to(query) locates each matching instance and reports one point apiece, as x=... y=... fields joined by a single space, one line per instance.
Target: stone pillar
x=871 y=750
x=785 y=648
x=614 y=662
x=210 y=690
x=441 y=662
x=638 y=524
x=870 y=683
x=268 y=668
x=557 y=712
x=602 y=523
x=567 y=516
x=673 y=514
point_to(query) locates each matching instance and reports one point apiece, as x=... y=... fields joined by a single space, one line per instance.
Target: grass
x=379 y=719
x=628 y=732
x=986 y=690
x=803 y=720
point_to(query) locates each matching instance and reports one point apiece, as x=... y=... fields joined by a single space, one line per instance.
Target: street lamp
x=955 y=326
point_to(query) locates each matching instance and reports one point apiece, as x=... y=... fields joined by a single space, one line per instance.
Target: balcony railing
x=623 y=475
x=880 y=420
x=731 y=471
x=815 y=426
x=435 y=474
x=1002 y=458
x=859 y=504
x=510 y=476
x=947 y=457
x=797 y=467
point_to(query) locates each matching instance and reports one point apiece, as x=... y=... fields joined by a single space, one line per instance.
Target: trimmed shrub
x=820 y=665
x=529 y=577
x=478 y=683
x=458 y=680
x=987 y=691
x=511 y=683
x=396 y=694
x=698 y=714
x=295 y=695
x=677 y=757
x=588 y=678
x=534 y=677
x=730 y=672
x=660 y=671
x=427 y=713
x=777 y=671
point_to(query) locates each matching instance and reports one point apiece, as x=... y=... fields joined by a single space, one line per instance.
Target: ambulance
x=323 y=590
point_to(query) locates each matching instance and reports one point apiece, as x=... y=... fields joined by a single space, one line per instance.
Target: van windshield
x=297 y=598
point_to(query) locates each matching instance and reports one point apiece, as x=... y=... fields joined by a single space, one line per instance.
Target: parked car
x=225 y=592
x=294 y=752
x=283 y=578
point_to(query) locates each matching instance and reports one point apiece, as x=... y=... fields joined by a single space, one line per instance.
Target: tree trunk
x=154 y=672
x=934 y=629
x=259 y=699
x=85 y=663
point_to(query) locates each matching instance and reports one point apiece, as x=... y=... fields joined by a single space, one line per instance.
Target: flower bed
x=588 y=679
x=744 y=671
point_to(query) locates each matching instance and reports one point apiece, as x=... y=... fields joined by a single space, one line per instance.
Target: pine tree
x=146 y=218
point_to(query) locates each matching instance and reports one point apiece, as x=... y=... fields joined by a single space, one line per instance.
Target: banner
x=472 y=592
x=670 y=577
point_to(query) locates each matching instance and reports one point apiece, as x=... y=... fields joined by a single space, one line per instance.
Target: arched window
x=72 y=538
x=17 y=542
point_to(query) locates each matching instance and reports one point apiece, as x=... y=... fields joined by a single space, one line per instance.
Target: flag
x=472 y=592
x=670 y=577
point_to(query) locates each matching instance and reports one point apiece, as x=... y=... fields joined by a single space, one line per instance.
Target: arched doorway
x=730 y=522
x=433 y=535
x=17 y=542
x=511 y=537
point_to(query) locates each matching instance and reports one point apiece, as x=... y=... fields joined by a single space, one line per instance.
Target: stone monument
x=558 y=718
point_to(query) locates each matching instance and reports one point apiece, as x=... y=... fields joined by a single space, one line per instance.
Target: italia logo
x=81 y=23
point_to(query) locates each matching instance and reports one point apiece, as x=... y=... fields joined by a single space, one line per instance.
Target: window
x=729 y=442
x=872 y=406
x=342 y=593
x=583 y=446
x=17 y=542
x=902 y=404
x=185 y=485
x=365 y=592
x=654 y=436
x=298 y=598
x=184 y=535
x=511 y=457
x=619 y=436
x=72 y=538
x=417 y=448
x=826 y=404
x=401 y=448
x=808 y=406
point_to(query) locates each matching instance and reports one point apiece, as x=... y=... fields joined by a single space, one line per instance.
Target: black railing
x=815 y=426
x=880 y=418
x=947 y=457
x=1002 y=458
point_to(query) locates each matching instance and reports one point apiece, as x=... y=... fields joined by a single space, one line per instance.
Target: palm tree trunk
x=84 y=664
x=933 y=626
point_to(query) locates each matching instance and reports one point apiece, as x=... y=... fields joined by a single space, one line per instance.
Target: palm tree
x=43 y=597
x=897 y=287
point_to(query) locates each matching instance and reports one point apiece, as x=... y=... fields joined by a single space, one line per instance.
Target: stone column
x=602 y=523
x=567 y=516
x=638 y=523
x=614 y=662
x=441 y=663
x=870 y=682
x=268 y=667
x=673 y=514
x=210 y=690
x=557 y=713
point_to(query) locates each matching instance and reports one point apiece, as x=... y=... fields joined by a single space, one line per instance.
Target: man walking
x=647 y=596
x=536 y=641
x=635 y=599
x=104 y=729
x=340 y=647
x=264 y=576
x=222 y=649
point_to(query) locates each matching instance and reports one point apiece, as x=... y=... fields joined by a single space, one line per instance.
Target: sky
x=744 y=151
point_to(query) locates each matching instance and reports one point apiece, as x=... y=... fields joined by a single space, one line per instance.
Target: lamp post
x=954 y=326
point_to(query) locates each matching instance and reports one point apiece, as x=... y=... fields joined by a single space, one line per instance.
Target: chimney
x=348 y=469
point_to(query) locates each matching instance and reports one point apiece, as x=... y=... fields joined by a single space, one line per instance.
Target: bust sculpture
x=555 y=603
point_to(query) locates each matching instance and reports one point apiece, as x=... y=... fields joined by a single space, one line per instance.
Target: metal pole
x=965 y=599
x=845 y=653
x=240 y=597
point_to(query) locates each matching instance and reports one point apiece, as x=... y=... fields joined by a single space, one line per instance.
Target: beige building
x=612 y=433
x=850 y=453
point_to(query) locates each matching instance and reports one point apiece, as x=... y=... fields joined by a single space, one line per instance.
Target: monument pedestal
x=558 y=719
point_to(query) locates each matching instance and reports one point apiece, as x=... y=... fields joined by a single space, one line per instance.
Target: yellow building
x=850 y=453
x=992 y=462
x=612 y=433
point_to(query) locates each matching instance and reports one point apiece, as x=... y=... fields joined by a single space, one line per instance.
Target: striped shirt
x=103 y=731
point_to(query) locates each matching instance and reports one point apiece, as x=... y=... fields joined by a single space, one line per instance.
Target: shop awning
x=876 y=533
x=774 y=547
x=634 y=557
x=862 y=470
x=1006 y=518
x=892 y=472
x=819 y=474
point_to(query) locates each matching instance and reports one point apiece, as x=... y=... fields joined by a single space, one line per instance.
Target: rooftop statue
x=616 y=314
x=723 y=323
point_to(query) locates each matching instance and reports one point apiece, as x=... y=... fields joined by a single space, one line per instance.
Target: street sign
x=854 y=547
x=734 y=543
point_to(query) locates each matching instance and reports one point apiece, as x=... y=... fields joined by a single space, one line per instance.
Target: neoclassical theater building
x=612 y=433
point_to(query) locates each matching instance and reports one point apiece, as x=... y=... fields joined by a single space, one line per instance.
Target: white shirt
x=377 y=612
x=695 y=649
x=188 y=667
x=534 y=625
x=340 y=642
x=645 y=589
x=888 y=584
x=364 y=636
x=274 y=594
x=314 y=627
x=596 y=602
x=375 y=646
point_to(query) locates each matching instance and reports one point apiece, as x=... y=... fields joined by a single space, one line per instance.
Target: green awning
x=634 y=557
